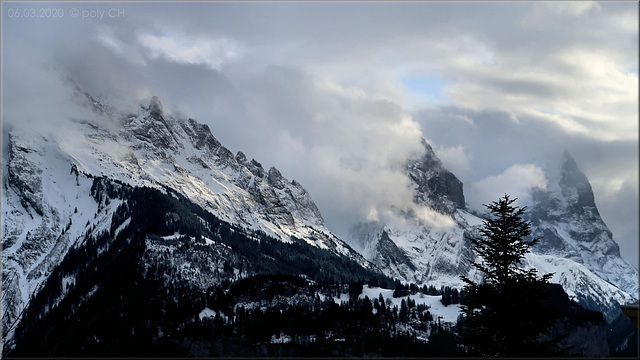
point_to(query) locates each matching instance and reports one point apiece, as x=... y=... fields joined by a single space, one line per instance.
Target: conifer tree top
x=504 y=313
x=502 y=246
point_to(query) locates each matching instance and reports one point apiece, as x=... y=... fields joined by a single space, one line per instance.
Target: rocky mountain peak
x=155 y=106
x=574 y=183
x=201 y=135
x=275 y=178
x=154 y=128
x=255 y=168
x=436 y=186
x=566 y=218
x=241 y=157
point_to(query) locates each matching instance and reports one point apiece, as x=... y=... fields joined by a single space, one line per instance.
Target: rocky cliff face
x=435 y=186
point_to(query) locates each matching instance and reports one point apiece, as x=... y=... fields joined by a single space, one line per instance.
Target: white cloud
x=358 y=146
x=455 y=159
x=434 y=218
x=582 y=89
x=516 y=181
x=212 y=52
x=35 y=95
x=408 y=216
x=543 y=13
x=107 y=37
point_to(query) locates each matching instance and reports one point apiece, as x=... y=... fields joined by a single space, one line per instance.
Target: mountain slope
x=151 y=148
x=128 y=290
x=47 y=206
x=47 y=202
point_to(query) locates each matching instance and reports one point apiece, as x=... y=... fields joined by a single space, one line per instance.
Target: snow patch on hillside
x=447 y=314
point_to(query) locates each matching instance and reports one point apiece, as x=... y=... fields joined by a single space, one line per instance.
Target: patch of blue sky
x=429 y=89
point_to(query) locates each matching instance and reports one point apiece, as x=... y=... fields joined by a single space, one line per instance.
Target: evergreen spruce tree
x=503 y=312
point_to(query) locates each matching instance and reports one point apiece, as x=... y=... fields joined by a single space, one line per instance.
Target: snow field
x=206 y=312
x=447 y=314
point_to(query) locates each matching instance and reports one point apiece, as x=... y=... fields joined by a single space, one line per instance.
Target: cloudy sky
x=336 y=95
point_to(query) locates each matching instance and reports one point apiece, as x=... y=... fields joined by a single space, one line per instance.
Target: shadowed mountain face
x=436 y=186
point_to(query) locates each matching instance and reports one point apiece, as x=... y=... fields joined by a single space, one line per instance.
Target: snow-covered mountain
x=65 y=185
x=566 y=217
x=427 y=243
x=48 y=202
x=576 y=244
